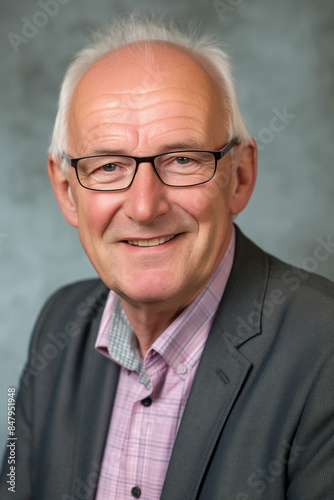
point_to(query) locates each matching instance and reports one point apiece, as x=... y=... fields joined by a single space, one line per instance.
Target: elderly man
x=200 y=367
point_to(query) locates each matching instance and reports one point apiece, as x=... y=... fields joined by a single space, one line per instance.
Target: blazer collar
x=239 y=315
x=221 y=372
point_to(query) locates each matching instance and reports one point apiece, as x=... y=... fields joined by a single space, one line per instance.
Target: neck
x=148 y=321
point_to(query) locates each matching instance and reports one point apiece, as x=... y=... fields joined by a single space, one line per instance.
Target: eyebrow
x=178 y=146
x=187 y=145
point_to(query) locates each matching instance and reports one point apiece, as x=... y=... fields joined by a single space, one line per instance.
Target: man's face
x=130 y=104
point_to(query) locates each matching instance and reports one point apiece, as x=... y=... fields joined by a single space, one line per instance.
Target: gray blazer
x=259 y=421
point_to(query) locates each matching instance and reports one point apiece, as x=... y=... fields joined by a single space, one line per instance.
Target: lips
x=152 y=242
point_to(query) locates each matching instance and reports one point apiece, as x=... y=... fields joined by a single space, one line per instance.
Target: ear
x=63 y=191
x=244 y=165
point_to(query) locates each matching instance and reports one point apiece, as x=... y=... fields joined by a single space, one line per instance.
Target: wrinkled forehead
x=147 y=67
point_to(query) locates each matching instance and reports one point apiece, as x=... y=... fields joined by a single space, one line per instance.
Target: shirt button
x=146 y=402
x=181 y=369
x=136 y=492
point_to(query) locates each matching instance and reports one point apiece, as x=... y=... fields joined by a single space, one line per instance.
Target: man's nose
x=147 y=195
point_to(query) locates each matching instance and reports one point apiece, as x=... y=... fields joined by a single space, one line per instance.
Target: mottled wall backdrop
x=283 y=59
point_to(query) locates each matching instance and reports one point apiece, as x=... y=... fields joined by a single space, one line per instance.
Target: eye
x=182 y=160
x=109 y=167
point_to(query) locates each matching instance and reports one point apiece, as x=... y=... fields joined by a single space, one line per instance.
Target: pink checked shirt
x=152 y=393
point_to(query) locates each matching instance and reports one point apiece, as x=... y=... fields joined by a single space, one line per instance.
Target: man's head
x=154 y=93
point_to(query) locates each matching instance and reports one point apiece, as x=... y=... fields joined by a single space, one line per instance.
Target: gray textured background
x=283 y=57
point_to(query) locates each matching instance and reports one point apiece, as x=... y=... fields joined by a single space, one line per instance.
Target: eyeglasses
x=175 y=169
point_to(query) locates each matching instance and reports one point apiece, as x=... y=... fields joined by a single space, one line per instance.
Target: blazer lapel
x=97 y=398
x=220 y=375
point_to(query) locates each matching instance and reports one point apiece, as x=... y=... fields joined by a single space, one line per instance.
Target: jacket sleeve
x=66 y=308
x=312 y=454
x=23 y=426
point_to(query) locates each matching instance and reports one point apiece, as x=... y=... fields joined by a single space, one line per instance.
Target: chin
x=147 y=289
x=142 y=298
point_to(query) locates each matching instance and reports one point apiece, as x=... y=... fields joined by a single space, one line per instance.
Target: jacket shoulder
x=80 y=296
x=78 y=291
x=291 y=278
x=73 y=307
x=295 y=283
x=284 y=294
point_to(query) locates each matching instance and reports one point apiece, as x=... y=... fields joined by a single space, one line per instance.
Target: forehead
x=142 y=84
x=144 y=66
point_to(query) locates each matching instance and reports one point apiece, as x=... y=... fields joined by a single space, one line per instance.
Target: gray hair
x=135 y=29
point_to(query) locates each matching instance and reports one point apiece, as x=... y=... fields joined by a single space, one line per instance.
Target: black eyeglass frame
x=73 y=162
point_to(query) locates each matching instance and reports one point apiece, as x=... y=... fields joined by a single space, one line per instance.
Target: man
x=200 y=367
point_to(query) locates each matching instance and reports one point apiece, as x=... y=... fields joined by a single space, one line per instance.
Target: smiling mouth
x=151 y=243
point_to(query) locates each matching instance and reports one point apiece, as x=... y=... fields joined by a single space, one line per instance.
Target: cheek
x=95 y=211
x=207 y=202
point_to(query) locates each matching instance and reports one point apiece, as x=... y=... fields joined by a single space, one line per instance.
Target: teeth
x=150 y=243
